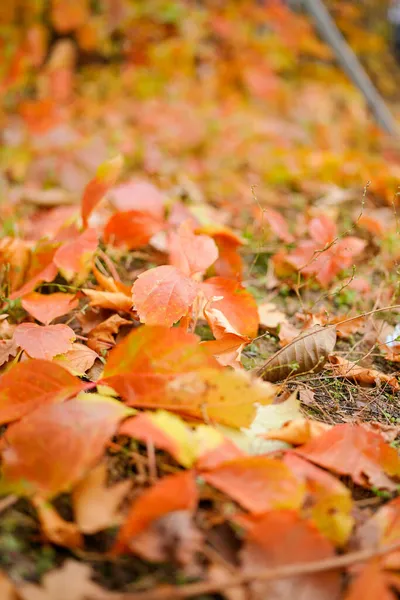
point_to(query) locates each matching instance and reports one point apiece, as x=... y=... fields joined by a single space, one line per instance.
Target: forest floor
x=231 y=150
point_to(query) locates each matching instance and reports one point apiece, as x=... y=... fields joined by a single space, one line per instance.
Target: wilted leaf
x=47 y=307
x=110 y=300
x=101 y=337
x=132 y=229
x=78 y=360
x=74 y=258
x=170 y=494
x=353 y=450
x=30 y=384
x=53 y=447
x=191 y=253
x=106 y=176
x=345 y=368
x=308 y=352
x=257 y=483
x=163 y=295
x=283 y=538
x=55 y=529
x=44 y=341
x=71 y=581
x=95 y=504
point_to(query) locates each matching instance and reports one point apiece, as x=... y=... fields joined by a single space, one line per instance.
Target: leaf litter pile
x=199 y=271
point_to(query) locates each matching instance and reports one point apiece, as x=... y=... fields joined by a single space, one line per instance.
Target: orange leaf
x=106 y=176
x=15 y=254
x=237 y=305
x=111 y=300
x=170 y=494
x=228 y=349
x=78 y=360
x=41 y=268
x=354 y=372
x=353 y=450
x=54 y=527
x=74 y=258
x=138 y=196
x=281 y=538
x=132 y=229
x=101 y=338
x=229 y=263
x=163 y=295
x=191 y=253
x=7 y=348
x=32 y=383
x=297 y=432
x=53 y=447
x=258 y=483
x=370 y=583
x=47 y=307
x=44 y=341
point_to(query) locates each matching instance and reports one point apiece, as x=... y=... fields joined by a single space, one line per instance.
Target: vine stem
x=293 y=570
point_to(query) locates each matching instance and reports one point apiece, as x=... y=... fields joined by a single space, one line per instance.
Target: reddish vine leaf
x=16 y=255
x=138 y=196
x=47 y=307
x=278 y=225
x=356 y=451
x=44 y=341
x=53 y=447
x=106 y=176
x=74 y=258
x=191 y=253
x=170 y=494
x=229 y=262
x=234 y=302
x=30 y=384
x=258 y=483
x=281 y=538
x=163 y=295
x=132 y=229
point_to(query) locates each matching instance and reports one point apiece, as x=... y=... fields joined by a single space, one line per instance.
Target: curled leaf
x=308 y=352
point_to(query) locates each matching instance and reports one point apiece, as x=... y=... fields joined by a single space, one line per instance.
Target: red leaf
x=74 y=258
x=191 y=253
x=353 y=450
x=258 y=483
x=54 y=446
x=229 y=263
x=281 y=538
x=30 y=384
x=322 y=230
x=44 y=341
x=237 y=305
x=278 y=225
x=106 y=176
x=163 y=295
x=47 y=307
x=138 y=196
x=132 y=229
x=173 y=493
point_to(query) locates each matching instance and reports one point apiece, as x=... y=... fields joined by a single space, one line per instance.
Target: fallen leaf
x=110 y=300
x=297 y=432
x=353 y=450
x=345 y=368
x=278 y=225
x=170 y=494
x=50 y=449
x=8 y=348
x=228 y=349
x=132 y=229
x=370 y=583
x=55 y=529
x=101 y=338
x=95 y=504
x=299 y=542
x=106 y=176
x=138 y=196
x=383 y=528
x=44 y=341
x=308 y=352
x=257 y=483
x=41 y=269
x=16 y=255
x=191 y=253
x=47 y=307
x=69 y=582
x=74 y=258
x=163 y=295
x=78 y=360
x=8 y=590
x=270 y=317
x=229 y=263
x=30 y=384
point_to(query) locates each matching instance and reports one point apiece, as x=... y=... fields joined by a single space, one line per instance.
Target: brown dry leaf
x=287 y=333
x=101 y=337
x=350 y=370
x=345 y=330
x=297 y=432
x=308 y=352
x=270 y=316
x=69 y=582
x=54 y=527
x=95 y=505
x=8 y=348
x=173 y=536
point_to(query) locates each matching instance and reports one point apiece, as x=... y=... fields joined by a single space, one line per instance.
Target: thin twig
x=294 y=570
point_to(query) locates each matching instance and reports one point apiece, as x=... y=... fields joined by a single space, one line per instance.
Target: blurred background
x=207 y=98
